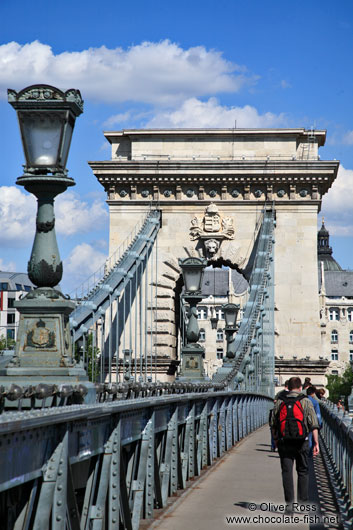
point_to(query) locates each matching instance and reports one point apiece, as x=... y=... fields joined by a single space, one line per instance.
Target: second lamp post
x=192 y=353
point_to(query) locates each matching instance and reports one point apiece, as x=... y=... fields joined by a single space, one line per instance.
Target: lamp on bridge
x=192 y=352
x=230 y=315
x=44 y=353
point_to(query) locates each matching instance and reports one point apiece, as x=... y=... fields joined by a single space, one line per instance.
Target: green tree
x=340 y=385
x=6 y=344
x=92 y=362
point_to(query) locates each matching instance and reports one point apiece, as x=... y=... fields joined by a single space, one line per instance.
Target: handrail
x=337 y=438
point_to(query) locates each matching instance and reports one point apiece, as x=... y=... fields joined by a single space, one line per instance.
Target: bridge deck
x=249 y=473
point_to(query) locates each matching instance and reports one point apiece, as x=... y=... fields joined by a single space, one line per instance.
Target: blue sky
x=174 y=64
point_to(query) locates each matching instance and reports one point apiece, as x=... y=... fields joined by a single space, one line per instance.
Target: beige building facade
x=336 y=308
x=211 y=187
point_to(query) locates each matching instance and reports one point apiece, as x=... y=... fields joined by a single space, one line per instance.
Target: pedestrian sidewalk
x=247 y=478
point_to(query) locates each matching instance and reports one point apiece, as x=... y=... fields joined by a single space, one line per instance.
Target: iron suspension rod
x=110 y=338
x=146 y=309
x=155 y=306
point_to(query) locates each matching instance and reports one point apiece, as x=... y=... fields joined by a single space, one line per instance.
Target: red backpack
x=290 y=417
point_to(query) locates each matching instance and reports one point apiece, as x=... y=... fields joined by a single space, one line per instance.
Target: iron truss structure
x=108 y=466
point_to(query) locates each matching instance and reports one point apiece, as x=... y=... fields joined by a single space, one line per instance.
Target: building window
x=27 y=288
x=4 y=286
x=334 y=335
x=334 y=355
x=19 y=287
x=351 y=355
x=219 y=335
x=350 y=314
x=351 y=335
x=10 y=303
x=334 y=313
x=202 y=313
x=10 y=333
x=219 y=313
x=202 y=335
x=334 y=372
x=10 y=318
x=219 y=353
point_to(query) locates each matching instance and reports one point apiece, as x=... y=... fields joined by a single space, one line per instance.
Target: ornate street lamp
x=192 y=352
x=46 y=117
x=230 y=315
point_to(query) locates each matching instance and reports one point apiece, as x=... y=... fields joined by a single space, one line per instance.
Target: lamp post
x=46 y=118
x=230 y=315
x=192 y=352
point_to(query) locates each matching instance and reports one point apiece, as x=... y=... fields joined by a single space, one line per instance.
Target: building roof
x=17 y=281
x=216 y=282
x=320 y=135
x=339 y=283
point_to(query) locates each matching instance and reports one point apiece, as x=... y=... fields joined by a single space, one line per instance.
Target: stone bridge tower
x=211 y=186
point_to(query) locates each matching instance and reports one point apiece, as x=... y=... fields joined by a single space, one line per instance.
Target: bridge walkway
x=249 y=473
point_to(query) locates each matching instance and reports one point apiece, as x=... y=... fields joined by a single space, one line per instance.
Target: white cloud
x=196 y=113
x=152 y=72
x=285 y=84
x=348 y=138
x=17 y=217
x=10 y=266
x=83 y=261
x=72 y=216
x=337 y=204
x=117 y=118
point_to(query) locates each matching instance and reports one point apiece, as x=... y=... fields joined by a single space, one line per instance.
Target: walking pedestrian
x=292 y=420
x=311 y=393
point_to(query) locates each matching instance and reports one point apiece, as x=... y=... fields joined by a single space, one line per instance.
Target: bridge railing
x=337 y=435
x=110 y=465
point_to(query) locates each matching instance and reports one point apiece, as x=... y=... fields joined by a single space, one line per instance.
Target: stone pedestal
x=44 y=351
x=192 y=363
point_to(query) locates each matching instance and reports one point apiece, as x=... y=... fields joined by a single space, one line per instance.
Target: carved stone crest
x=40 y=336
x=212 y=229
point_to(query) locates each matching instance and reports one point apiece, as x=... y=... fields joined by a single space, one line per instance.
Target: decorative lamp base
x=43 y=348
x=192 y=363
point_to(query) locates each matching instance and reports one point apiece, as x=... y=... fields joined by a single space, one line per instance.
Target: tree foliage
x=92 y=365
x=340 y=385
x=6 y=343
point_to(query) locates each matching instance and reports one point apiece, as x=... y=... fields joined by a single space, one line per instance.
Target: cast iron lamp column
x=192 y=352
x=230 y=314
x=46 y=117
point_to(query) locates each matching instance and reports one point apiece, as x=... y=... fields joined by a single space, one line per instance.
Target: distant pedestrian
x=306 y=385
x=311 y=393
x=292 y=420
x=340 y=405
x=273 y=445
x=320 y=393
x=283 y=392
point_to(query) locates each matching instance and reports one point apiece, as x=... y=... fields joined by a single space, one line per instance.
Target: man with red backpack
x=292 y=419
